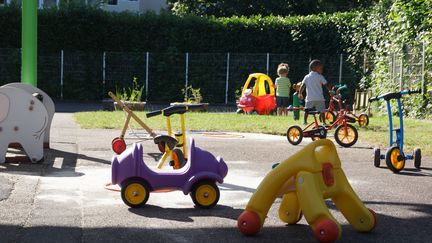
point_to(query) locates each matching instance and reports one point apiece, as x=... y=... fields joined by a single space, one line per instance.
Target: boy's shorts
x=282 y=101
x=318 y=105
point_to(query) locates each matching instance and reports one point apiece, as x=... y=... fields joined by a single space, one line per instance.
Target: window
x=112 y=2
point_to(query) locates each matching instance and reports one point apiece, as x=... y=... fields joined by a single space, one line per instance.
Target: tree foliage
x=228 y=8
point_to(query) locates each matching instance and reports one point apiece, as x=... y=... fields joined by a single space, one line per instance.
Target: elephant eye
x=4 y=106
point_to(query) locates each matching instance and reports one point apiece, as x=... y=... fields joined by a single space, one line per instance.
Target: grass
x=418 y=133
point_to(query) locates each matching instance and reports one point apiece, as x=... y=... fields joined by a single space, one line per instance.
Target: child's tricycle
x=342 y=109
x=346 y=135
x=258 y=95
x=395 y=157
x=198 y=177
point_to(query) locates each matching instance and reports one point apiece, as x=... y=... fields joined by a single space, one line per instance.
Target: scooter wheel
x=118 y=145
x=377 y=157
x=363 y=120
x=395 y=159
x=249 y=223
x=326 y=231
x=294 y=135
x=417 y=158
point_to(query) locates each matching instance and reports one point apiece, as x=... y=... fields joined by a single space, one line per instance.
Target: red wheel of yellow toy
x=375 y=219
x=326 y=231
x=118 y=145
x=294 y=135
x=249 y=223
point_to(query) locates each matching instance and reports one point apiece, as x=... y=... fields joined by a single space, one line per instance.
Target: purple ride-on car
x=198 y=177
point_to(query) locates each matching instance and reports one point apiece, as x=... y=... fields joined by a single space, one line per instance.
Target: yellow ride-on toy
x=171 y=146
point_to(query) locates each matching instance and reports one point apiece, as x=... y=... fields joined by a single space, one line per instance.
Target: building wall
x=153 y=5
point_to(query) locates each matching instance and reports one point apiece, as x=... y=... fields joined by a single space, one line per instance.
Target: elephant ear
x=4 y=106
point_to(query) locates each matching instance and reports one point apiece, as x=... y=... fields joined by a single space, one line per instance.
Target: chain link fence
x=77 y=75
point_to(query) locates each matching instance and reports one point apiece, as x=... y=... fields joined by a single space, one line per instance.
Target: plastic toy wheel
x=294 y=135
x=161 y=147
x=377 y=157
x=375 y=219
x=326 y=231
x=135 y=193
x=346 y=138
x=249 y=223
x=329 y=117
x=118 y=145
x=178 y=159
x=395 y=159
x=417 y=158
x=240 y=111
x=205 y=194
x=363 y=120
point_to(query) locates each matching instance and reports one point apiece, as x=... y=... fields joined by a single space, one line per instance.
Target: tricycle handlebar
x=394 y=95
x=153 y=113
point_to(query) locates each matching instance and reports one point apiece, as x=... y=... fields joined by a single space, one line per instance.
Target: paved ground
x=64 y=200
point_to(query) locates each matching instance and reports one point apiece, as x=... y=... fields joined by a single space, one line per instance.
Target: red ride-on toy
x=258 y=95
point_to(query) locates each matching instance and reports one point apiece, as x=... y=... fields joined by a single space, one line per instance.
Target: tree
x=227 y=8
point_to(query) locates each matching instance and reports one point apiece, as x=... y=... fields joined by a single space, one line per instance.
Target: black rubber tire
x=388 y=159
x=140 y=182
x=300 y=138
x=366 y=118
x=417 y=158
x=180 y=159
x=340 y=142
x=197 y=185
x=377 y=157
x=240 y=111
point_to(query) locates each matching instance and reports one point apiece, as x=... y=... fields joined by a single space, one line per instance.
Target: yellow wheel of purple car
x=205 y=194
x=135 y=193
x=395 y=159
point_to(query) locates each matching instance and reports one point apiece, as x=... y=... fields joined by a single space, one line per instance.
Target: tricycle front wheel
x=205 y=194
x=346 y=137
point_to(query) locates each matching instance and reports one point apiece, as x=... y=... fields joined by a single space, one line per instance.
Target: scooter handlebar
x=394 y=95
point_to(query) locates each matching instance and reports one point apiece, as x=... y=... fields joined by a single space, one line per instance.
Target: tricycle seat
x=311 y=111
x=168 y=140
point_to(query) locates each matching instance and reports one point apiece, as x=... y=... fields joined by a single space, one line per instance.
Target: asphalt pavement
x=64 y=199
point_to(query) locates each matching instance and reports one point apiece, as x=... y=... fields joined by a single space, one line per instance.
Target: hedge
x=93 y=31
